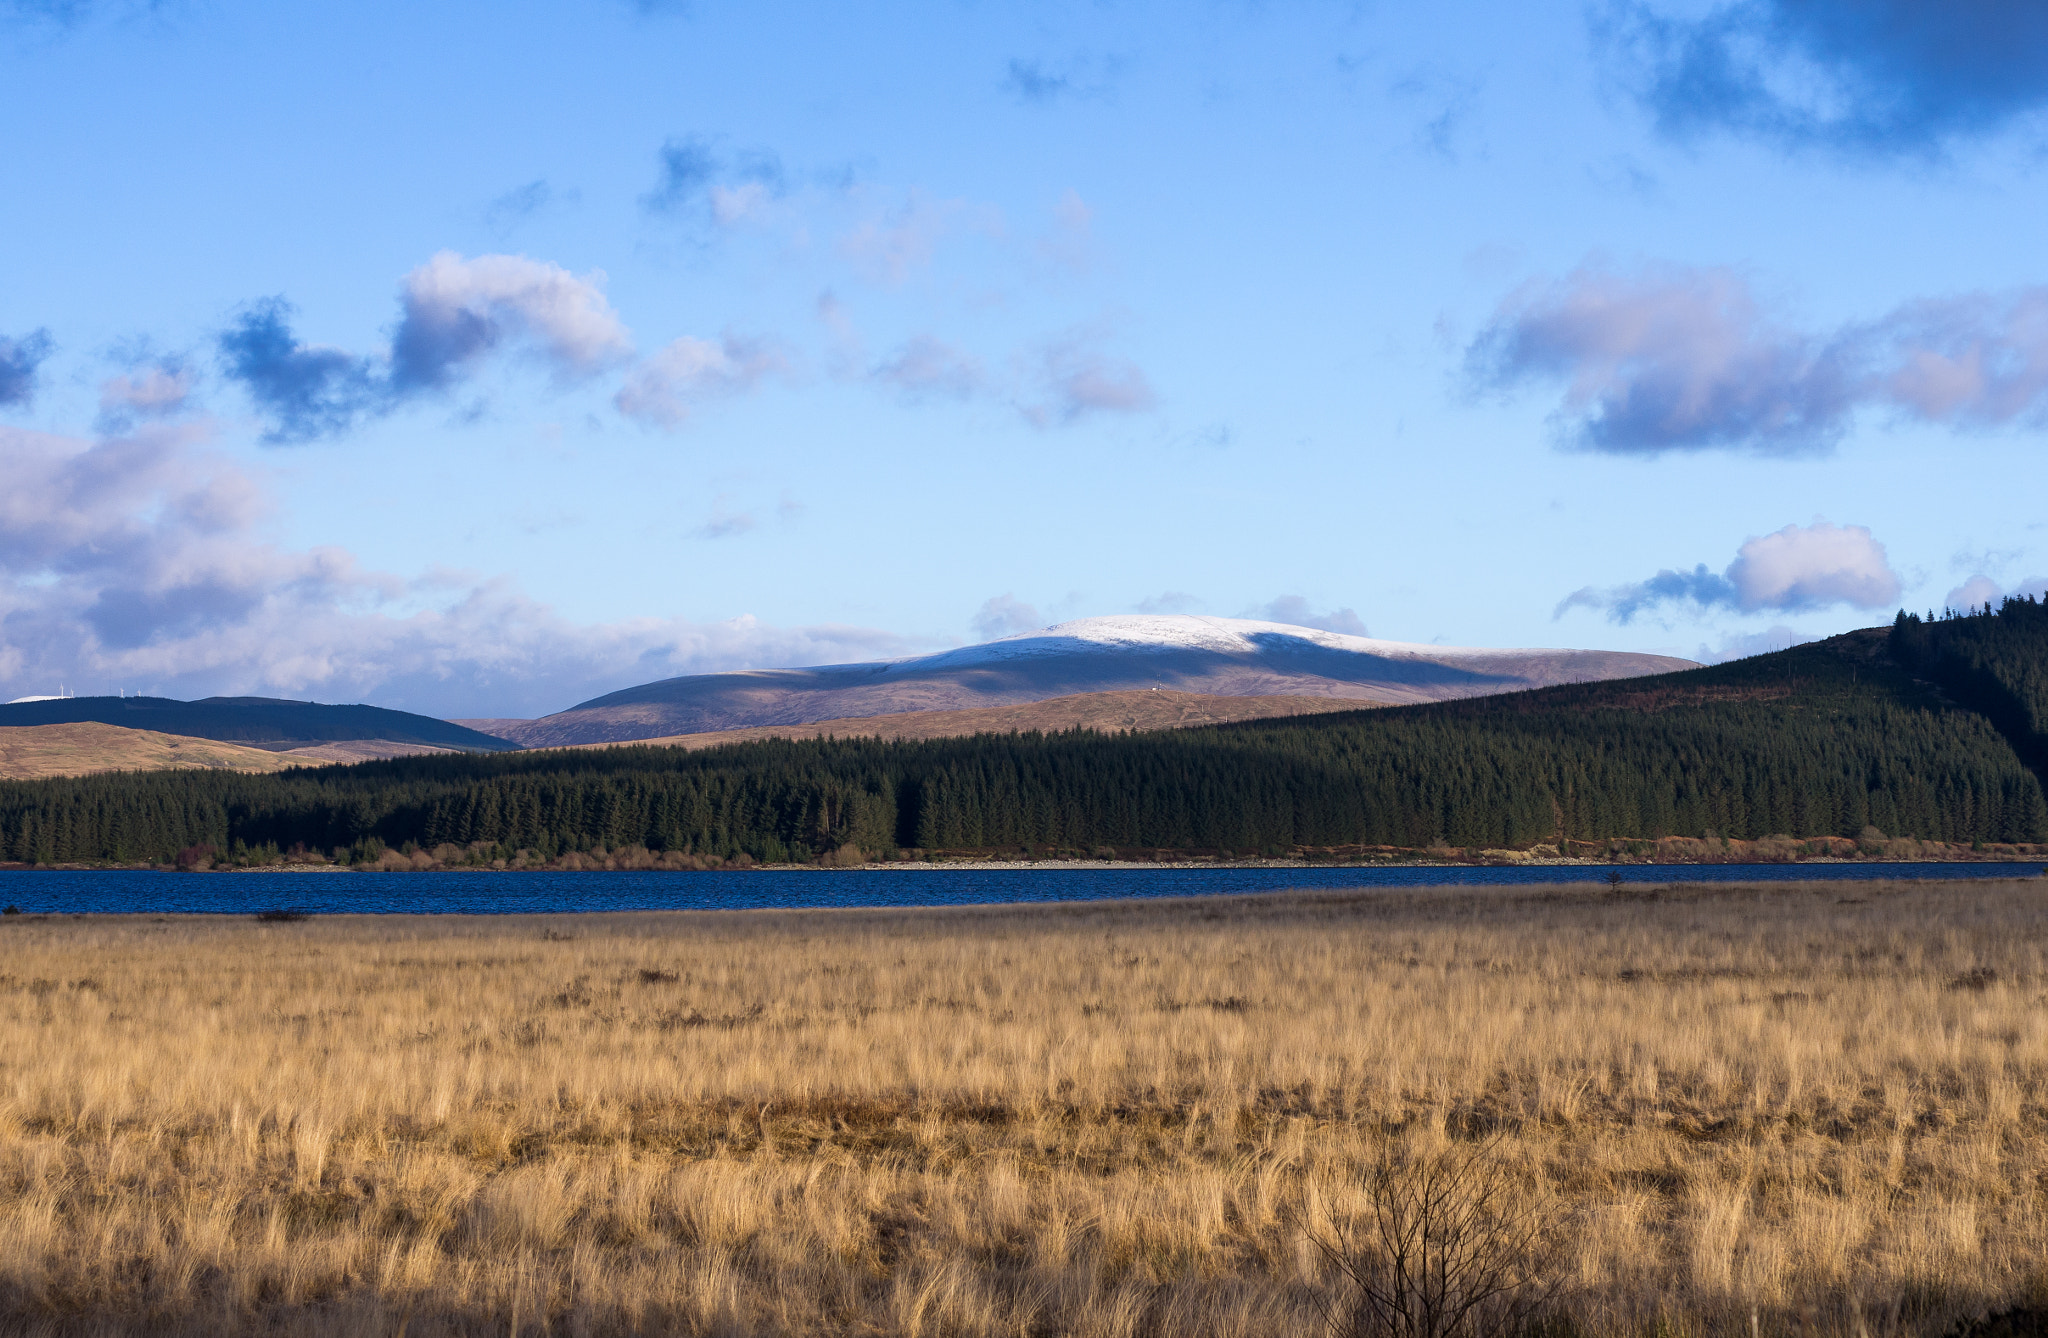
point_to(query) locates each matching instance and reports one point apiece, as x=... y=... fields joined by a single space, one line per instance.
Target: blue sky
x=478 y=359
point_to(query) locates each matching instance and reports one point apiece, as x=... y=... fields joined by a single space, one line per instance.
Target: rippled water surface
x=507 y=893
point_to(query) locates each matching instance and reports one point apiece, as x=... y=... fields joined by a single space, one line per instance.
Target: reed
x=1822 y=1105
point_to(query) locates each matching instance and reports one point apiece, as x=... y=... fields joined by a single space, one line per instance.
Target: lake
x=474 y=893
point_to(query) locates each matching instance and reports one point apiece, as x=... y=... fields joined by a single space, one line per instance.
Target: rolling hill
x=1829 y=740
x=1103 y=712
x=256 y=722
x=28 y=752
x=1181 y=653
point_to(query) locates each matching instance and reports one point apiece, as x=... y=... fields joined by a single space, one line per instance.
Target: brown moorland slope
x=1104 y=712
x=360 y=750
x=32 y=752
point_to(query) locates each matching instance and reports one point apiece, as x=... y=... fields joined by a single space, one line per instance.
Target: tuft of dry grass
x=1818 y=1108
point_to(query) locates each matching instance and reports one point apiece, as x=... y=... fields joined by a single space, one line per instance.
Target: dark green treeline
x=1995 y=663
x=1819 y=740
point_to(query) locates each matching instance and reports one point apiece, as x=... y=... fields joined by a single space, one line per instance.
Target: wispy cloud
x=892 y=243
x=1039 y=81
x=1069 y=244
x=1450 y=99
x=1296 y=612
x=1004 y=615
x=1872 y=78
x=1169 y=601
x=1796 y=569
x=1677 y=359
x=521 y=203
x=1075 y=378
x=158 y=388
x=60 y=13
x=1050 y=385
x=19 y=360
x=1742 y=645
x=925 y=367
x=665 y=389
x=724 y=522
x=702 y=182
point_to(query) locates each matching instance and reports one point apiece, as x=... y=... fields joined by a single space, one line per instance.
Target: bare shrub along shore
x=1818 y=1109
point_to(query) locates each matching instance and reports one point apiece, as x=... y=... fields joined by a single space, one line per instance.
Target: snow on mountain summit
x=1220 y=657
x=1141 y=632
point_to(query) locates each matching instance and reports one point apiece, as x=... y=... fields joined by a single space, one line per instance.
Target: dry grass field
x=31 y=752
x=1819 y=1110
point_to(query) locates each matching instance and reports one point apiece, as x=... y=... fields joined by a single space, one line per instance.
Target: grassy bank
x=1827 y=1104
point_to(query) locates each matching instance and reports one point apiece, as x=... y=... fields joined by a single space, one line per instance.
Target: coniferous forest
x=1934 y=732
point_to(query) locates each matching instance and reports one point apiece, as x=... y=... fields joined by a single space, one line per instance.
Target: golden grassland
x=38 y=752
x=1819 y=1109
x=32 y=752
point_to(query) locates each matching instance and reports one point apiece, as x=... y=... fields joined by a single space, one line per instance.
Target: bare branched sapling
x=1448 y=1246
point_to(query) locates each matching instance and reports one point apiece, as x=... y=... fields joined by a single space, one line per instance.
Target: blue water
x=125 y=891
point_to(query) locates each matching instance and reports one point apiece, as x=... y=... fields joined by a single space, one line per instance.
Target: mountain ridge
x=1804 y=750
x=1101 y=712
x=1179 y=652
x=270 y=723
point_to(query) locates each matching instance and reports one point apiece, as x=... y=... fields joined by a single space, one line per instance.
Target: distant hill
x=30 y=752
x=1182 y=653
x=258 y=722
x=1104 y=712
x=33 y=751
x=1840 y=740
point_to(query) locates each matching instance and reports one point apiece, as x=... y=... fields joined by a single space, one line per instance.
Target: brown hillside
x=345 y=751
x=29 y=752
x=1106 y=712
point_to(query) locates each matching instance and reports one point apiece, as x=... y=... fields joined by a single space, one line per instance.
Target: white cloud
x=457 y=310
x=1004 y=615
x=1673 y=358
x=1980 y=590
x=1798 y=568
x=137 y=562
x=1811 y=567
x=1741 y=645
x=663 y=390
x=453 y=314
x=1076 y=379
x=1977 y=361
x=155 y=390
x=1668 y=359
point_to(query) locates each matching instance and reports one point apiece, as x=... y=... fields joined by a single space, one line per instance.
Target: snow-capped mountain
x=1182 y=652
x=1146 y=632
